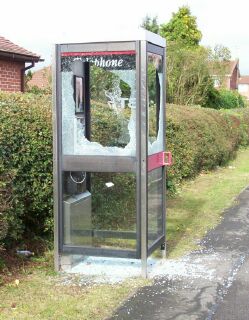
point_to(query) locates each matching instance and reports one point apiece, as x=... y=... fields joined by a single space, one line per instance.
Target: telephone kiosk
x=109 y=149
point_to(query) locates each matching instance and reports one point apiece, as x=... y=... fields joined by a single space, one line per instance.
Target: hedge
x=199 y=138
x=26 y=165
x=202 y=138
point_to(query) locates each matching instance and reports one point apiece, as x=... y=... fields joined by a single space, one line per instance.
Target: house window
x=216 y=83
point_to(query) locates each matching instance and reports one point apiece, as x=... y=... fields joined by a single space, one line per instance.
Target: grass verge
x=199 y=204
x=39 y=293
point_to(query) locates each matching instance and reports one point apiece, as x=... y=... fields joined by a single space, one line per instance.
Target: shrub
x=199 y=138
x=5 y=203
x=231 y=99
x=26 y=152
x=212 y=99
x=109 y=203
x=224 y=99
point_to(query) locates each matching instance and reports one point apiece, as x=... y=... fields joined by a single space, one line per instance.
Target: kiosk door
x=156 y=147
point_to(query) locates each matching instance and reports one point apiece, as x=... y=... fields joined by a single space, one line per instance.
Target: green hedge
x=5 y=182
x=26 y=154
x=224 y=99
x=202 y=138
x=231 y=99
x=199 y=138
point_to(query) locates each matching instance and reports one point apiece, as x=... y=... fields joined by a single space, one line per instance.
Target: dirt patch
x=13 y=266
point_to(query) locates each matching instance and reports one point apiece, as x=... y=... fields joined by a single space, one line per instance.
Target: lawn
x=199 y=204
x=37 y=292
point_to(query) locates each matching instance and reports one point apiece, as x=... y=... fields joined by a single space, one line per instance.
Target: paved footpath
x=220 y=291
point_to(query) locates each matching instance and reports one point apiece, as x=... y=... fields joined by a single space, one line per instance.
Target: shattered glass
x=113 y=107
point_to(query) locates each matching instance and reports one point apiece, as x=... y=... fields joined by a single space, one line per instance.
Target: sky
x=37 y=25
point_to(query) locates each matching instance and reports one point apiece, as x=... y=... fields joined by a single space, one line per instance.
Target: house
x=226 y=74
x=14 y=61
x=243 y=87
x=41 y=78
x=232 y=78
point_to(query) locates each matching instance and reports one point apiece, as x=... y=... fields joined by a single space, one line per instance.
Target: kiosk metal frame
x=138 y=164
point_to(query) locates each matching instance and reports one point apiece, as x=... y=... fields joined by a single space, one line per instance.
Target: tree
x=188 y=79
x=151 y=24
x=219 y=64
x=221 y=53
x=182 y=28
x=191 y=68
x=187 y=63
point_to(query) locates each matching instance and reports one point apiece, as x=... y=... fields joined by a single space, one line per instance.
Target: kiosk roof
x=123 y=36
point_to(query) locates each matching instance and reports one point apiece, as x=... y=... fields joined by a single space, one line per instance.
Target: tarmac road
x=220 y=291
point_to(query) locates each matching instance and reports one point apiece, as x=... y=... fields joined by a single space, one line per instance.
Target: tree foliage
x=221 y=53
x=182 y=28
x=188 y=79
x=192 y=68
x=151 y=24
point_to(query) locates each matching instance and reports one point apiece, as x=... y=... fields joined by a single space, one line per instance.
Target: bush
x=231 y=99
x=26 y=162
x=109 y=203
x=199 y=138
x=26 y=153
x=224 y=99
x=212 y=99
x=5 y=202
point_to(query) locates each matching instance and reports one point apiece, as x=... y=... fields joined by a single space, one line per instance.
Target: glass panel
x=155 y=205
x=112 y=108
x=155 y=108
x=100 y=209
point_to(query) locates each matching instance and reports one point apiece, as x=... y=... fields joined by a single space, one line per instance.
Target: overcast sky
x=36 y=25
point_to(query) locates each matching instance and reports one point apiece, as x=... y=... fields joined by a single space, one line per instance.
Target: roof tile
x=8 y=46
x=244 y=80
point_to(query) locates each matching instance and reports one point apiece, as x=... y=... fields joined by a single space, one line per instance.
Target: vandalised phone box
x=109 y=132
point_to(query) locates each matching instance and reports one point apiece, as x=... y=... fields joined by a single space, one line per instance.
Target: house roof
x=223 y=66
x=231 y=65
x=9 y=49
x=40 y=78
x=244 y=80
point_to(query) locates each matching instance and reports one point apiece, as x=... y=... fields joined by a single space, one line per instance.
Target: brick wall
x=41 y=78
x=10 y=75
